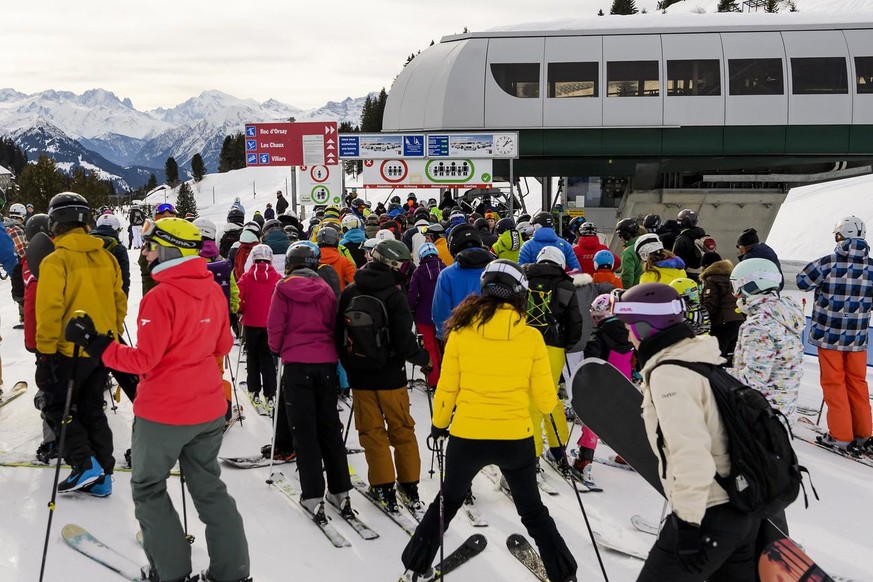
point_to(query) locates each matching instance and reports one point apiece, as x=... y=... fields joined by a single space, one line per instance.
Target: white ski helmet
x=384 y=234
x=647 y=244
x=848 y=227
x=754 y=276
x=262 y=253
x=109 y=220
x=18 y=210
x=601 y=307
x=350 y=221
x=207 y=228
x=552 y=255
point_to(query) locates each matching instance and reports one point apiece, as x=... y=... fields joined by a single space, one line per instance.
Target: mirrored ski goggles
x=165 y=207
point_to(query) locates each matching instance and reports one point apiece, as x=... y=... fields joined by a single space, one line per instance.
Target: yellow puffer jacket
x=79 y=274
x=667 y=275
x=493 y=402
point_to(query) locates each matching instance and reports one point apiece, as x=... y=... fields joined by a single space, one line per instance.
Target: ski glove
x=439 y=433
x=80 y=330
x=46 y=374
x=692 y=544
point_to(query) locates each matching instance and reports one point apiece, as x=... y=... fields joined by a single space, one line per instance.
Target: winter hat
x=331 y=212
x=709 y=258
x=748 y=238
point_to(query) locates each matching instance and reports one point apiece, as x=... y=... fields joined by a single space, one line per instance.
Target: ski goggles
x=165 y=207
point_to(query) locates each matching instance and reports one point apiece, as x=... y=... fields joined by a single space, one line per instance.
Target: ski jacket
x=243 y=250
x=29 y=306
x=508 y=245
x=443 y=249
x=8 y=258
x=585 y=249
x=182 y=329
x=19 y=239
x=631 y=268
x=843 y=286
x=769 y=352
x=344 y=267
x=114 y=246
x=422 y=286
x=563 y=328
x=664 y=271
x=302 y=318
x=352 y=241
x=229 y=238
x=608 y=277
x=610 y=342
x=278 y=242
x=79 y=274
x=255 y=292
x=222 y=272
x=281 y=204
x=686 y=249
x=717 y=295
x=377 y=280
x=546 y=237
x=456 y=282
x=269 y=214
x=681 y=402
x=493 y=402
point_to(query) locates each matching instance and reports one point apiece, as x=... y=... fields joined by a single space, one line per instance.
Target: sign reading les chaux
x=291 y=144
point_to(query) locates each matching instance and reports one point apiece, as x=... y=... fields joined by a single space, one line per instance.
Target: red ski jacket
x=29 y=306
x=255 y=293
x=182 y=327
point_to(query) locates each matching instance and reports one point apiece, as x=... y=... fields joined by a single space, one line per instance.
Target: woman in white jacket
x=705 y=538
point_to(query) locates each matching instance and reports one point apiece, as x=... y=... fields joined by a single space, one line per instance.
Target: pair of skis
x=862 y=458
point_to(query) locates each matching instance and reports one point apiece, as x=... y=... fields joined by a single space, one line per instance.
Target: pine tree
x=185 y=202
x=198 y=167
x=171 y=171
x=38 y=182
x=152 y=183
x=12 y=157
x=771 y=6
x=224 y=155
x=728 y=6
x=623 y=7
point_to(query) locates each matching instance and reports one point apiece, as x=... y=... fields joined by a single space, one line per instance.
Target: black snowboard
x=471 y=548
x=610 y=405
x=39 y=247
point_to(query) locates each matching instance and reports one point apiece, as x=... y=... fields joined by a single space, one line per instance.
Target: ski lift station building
x=643 y=113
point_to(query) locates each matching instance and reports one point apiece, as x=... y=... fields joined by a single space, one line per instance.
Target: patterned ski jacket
x=843 y=286
x=769 y=353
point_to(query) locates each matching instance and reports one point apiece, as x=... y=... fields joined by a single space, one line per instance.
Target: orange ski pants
x=844 y=384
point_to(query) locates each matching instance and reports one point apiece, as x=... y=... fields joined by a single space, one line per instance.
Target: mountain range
x=101 y=132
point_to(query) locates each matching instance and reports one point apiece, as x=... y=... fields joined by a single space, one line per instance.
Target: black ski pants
x=88 y=431
x=733 y=559
x=726 y=333
x=259 y=362
x=310 y=393
x=518 y=462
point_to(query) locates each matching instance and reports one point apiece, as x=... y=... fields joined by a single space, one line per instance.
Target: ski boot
x=342 y=502
x=81 y=476
x=205 y=576
x=315 y=508
x=829 y=441
x=410 y=576
x=46 y=452
x=408 y=493
x=150 y=574
x=386 y=495
x=279 y=455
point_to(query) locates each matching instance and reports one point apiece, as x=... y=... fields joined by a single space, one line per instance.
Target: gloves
x=439 y=433
x=80 y=330
x=46 y=374
x=692 y=544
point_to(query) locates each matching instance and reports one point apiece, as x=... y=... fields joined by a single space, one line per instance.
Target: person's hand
x=46 y=371
x=80 y=330
x=438 y=434
x=692 y=544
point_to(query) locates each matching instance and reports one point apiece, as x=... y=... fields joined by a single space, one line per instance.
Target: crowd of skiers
x=340 y=304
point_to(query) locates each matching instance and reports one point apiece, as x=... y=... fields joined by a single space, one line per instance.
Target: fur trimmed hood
x=723 y=267
x=581 y=279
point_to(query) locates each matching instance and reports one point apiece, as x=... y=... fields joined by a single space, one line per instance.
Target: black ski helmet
x=236 y=216
x=464 y=236
x=68 y=208
x=503 y=225
x=36 y=223
x=503 y=278
x=686 y=218
x=544 y=219
x=480 y=224
x=301 y=254
x=272 y=224
x=627 y=228
x=652 y=222
x=392 y=253
x=327 y=237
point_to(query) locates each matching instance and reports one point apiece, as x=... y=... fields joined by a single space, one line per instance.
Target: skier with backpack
x=691 y=243
x=375 y=340
x=232 y=231
x=239 y=252
x=328 y=242
x=545 y=236
x=628 y=230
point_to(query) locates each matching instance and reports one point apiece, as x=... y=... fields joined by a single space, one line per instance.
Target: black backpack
x=366 y=339
x=546 y=303
x=765 y=476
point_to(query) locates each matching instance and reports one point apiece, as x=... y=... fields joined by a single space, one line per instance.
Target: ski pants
x=155 y=448
x=556 y=359
x=726 y=333
x=310 y=391
x=136 y=234
x=383 y=421
x=733 y=559
x=465 y=458
x=259 y=362
x=284 y=436
x=844 y=384
x=428 y=334
x=87 y=432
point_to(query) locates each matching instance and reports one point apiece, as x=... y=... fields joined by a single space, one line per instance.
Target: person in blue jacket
x=545 y=236
x=461 y=279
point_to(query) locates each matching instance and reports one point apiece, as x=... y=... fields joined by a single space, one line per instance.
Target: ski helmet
x=575 y=224
x=384 y=234
x=435 y=230
x=503 y=225
x=421 y=213
x=601 y=307
x=646 y=245
x=848 y=227
x=464 y=236
x=327 y=237
x=754 y=276
x=269 y=225
x=253 y=227
x=649 y=308
x=588 y=229
x=543 y=219
x=292 y=232
x=262 y=253
x=357 y=203
x=503 y=278
x=37 y=223
x=652 y=222
x=68 y=208
x=373 y=220
x=350 y=221
x=686 y=218
x=627 y=228
x=369 y=244
x=552 y=255
x=236 y=216
x=687 y=289
x=525 y=229
x=207 y=228
x=175 y=238
x=109 y=220
x=393 y=254
x=18 y=211
x=427 y=250
x=302 y=254
x=604 y=258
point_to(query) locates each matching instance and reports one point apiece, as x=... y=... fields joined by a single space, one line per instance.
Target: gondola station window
x=819 y=76
x=756 y=77
x=518 y=79
x=693 y=78
x=573 y=79
x=864 y=74
x=632 y=79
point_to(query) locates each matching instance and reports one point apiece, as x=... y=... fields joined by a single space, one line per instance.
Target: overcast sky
x=301 y=52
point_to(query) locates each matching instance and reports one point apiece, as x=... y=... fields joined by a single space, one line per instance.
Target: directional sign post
x=291 y=144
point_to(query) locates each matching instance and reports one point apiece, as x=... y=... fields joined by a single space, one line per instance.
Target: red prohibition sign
x=319 y=174
x=394 y=171
x=368 y=163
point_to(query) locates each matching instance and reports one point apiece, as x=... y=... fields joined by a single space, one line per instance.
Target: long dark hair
x=479 y=309
x=656 y=257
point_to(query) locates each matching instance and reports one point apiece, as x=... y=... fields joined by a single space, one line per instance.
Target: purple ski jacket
x=422 y=287
x=301 y=320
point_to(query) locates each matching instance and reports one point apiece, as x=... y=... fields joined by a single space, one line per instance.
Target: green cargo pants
x=155 y=448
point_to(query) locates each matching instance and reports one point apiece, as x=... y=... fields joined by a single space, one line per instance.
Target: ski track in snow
x=284 y=545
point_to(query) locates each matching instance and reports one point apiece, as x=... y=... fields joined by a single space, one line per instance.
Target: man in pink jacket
x=182 y=327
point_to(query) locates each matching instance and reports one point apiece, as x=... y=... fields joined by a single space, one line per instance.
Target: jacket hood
x=106 y=231
x=545 y=234
x=783 y=310
x=248 y=237
x=855 y=249
x=188 y=274
x=354 y=235
x=506 y=324
x=209 y=250
x=671 y=263
x=723 y=267
x=694 y=232
x=582 y=279
x=511 y=240
x=588 y=243
x=545 y=270
x=474 y=258
x=374 y=277
x=78 y=240
x=262 y=271
x=303 y=286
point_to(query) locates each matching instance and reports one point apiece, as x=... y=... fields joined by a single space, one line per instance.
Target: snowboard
x=527 y=555
x=17 y=390
x=784 y=561
x=86 y=544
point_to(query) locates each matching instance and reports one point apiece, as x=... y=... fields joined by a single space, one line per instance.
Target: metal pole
x=294 y=189
x=213 y=194
x=511 y=193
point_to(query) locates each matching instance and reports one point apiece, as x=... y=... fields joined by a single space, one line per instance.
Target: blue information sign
x=413 y=146
x=251 y=131
x=251 y=159
x=263 y=158
x=349 y=146
x=251 y=144
x=437 y=146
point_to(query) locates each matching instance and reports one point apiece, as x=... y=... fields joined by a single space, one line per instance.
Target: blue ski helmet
x=427 y=250
x=604 y=258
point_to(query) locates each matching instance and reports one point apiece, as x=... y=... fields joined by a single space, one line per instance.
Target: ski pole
x=127 y=331
x=820 y=410
x=235 y=393
x=65 y=420
x=348 y=426
x=581 y=505
x=436 y=445
x=280 y=401
x=188 y=537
